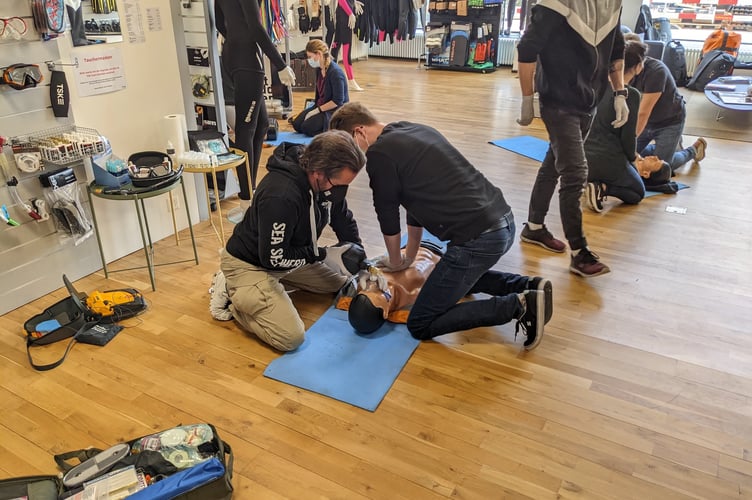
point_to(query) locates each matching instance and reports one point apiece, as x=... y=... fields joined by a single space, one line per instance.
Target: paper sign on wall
x=133 y=22
x=100 y=73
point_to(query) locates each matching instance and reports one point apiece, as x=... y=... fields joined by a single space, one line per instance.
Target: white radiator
x=406 y=49
x=692 y=55
x=506 y=51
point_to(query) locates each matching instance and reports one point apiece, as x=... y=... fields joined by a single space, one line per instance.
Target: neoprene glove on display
x=622 y=111
x=304 y=23
x=526 y=111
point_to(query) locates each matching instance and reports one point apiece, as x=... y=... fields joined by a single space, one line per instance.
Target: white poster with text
x=100 y=73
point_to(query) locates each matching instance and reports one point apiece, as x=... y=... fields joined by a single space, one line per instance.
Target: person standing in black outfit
x=415 y=167
x=246 y=42
x=572 y=53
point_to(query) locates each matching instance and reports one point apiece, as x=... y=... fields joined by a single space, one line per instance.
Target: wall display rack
x=735 y=14
x=463 y=35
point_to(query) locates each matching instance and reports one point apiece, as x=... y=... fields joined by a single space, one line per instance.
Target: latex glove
x=372 y=274
x=311 y=113
x=384 y=263
x=351 y=22
x=287 y=76
x=526 y=111
x=345 y=258
x=622 y=111
x=358 y=7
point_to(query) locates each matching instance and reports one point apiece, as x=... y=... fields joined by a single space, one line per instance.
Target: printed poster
x=100 y=73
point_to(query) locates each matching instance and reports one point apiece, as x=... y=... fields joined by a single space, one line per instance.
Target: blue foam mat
x=337 y=362
x=681 y=186
x=524 y=145
x=293 y=137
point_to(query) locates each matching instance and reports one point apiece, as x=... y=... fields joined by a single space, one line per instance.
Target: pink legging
x=346 y=61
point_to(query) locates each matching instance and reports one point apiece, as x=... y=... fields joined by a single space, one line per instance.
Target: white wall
x=132 y=119
x=630 y=9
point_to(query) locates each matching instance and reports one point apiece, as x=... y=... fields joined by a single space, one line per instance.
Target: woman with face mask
x=331 y=91
x=275 y=246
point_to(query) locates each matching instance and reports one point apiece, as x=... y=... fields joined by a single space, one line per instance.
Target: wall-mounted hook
x=52 y=64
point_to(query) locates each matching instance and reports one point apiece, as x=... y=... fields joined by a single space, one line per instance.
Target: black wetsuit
x=246 y=41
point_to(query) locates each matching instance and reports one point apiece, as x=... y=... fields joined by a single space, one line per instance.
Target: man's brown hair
x=331 y=152
x=634 y=54
x=350 y=116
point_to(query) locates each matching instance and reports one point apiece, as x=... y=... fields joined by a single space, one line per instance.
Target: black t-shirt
x=414 y=166
x=656 y=77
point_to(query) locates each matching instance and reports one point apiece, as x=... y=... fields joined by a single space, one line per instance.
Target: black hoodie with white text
x=276 y=231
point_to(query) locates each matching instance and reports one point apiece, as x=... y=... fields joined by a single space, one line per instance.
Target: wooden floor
x=641 y=387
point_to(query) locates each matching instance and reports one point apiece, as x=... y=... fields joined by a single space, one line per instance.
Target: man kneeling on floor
x=375 y=295
x=274 y=247
x=413 y=166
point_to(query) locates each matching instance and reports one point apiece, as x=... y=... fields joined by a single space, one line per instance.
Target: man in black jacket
x=275 y=245
x=415 y=167
x=578 y=47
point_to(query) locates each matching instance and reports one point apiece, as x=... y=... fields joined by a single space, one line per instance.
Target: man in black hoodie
x=275 y=245
x=572 y=49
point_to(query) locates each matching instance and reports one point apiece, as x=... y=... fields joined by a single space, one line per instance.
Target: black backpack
x=645 y=24
x=714 y=64
x=676 y=61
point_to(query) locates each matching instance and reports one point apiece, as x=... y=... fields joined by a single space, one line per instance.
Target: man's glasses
x=12 y=27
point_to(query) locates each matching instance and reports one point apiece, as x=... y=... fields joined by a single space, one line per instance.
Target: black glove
x=315 y=23
x=304 y=23
x=345 y=258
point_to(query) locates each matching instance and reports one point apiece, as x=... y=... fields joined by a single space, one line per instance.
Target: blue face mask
x=313 y=63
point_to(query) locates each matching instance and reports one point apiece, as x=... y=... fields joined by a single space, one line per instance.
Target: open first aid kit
x=188 y=462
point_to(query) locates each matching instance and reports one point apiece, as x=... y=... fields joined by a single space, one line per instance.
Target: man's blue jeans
x=565 y=164
x=465 y=269
x=666 y=145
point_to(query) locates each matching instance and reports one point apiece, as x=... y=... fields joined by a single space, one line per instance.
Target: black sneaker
x=544 y=286
x=542 y=237
x=587 y=264
x=595 y=196
x=535 y=308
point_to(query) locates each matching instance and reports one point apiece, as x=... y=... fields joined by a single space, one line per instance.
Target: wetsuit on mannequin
x=246 y=42
x=344 y=25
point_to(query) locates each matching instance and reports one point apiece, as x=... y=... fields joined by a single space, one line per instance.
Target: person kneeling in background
x=331 y=91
